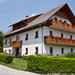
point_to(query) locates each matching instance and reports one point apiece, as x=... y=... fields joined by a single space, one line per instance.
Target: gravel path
x=9 y=71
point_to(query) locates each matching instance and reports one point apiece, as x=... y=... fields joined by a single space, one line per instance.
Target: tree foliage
x=1 y=41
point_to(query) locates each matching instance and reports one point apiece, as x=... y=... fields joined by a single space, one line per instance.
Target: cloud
x=33 y=14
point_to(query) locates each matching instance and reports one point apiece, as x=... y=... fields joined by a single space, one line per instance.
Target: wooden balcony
x=15 y=43
x=59 y=41
x=62 y=26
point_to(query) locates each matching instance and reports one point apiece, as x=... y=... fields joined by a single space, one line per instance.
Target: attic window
x=55 y=18
x=65 y=22
x=60 y=20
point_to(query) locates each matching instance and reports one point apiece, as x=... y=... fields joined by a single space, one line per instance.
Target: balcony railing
x=15 y=43
x=59 y=40
x=62 y=25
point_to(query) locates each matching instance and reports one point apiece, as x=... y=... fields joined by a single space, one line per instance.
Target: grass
x=19 y=64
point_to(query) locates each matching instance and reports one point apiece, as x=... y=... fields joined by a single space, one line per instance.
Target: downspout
x=42 y=40
x=42 y=36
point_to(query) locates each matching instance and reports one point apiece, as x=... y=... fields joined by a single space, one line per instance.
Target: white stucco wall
x=33 y=42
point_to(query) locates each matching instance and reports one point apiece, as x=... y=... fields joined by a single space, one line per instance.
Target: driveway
x=9 y=71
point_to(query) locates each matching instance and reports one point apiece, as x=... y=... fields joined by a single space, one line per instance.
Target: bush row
x=50 y=64
x=70 y=55
x=6 y=58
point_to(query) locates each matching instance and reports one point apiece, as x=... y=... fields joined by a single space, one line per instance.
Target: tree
x=1 y=41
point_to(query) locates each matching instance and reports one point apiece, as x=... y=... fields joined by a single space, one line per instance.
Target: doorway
x=17 y=52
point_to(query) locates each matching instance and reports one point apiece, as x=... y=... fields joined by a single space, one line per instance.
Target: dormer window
x=60 y=20
x=65 y=22
x=55 y=18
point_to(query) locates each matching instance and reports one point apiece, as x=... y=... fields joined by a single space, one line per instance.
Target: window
x=55 y=18
x=70 y=36
x=9 y=51
x=60 y=20
x=51 y=33
x=17 y=38
x=10 y=40
x=26 y=51
x=71 y=50
x=62 y=35
x=5 y=51
x=62 y=50
x=65 y=22
x=51 y=50
x=36 y=48
x=26 y=37
x=36 y=34
x=6 y=41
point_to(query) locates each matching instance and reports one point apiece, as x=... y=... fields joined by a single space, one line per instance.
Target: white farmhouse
x=52 y=33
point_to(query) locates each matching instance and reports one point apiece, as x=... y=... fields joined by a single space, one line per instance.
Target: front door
x=17 y=51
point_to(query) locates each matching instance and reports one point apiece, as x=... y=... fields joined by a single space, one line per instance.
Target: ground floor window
x=51 y=50
x=9 y=51
x=71 y=50
x=36 y=48
x=5 y=51
x=26 y=51
x=62 y=50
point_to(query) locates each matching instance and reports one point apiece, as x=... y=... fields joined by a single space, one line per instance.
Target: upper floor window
x=26 y=51
x=62 y=50
x=36 y=34
x=36 y=48
x=51 y=50
x=51 y=33
x=70 y=36
x=62 y=35
x=10 y=39
x=6 y=41
x=26 y=37
x=17 y=38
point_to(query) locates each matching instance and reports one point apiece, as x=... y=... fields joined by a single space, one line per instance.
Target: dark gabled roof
x=42 y=18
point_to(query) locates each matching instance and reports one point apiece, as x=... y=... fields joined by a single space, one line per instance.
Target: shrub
x=70 y=55
x=24 y=57
x=1 y=49
x=50 y=64
x=6 y=58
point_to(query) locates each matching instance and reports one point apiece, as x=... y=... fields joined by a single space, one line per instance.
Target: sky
x=12 y=11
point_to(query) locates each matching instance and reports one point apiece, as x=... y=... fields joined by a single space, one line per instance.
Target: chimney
x=27 y=16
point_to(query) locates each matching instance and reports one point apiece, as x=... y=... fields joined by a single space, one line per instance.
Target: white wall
x=57 y=32
x=57 y=49
x=7 y=50
x=33 y=42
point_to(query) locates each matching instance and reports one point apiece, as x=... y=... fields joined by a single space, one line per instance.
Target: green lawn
x=19 y=64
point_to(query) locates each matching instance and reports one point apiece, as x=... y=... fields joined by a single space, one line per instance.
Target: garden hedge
x=50 y=64
x=6 y=58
